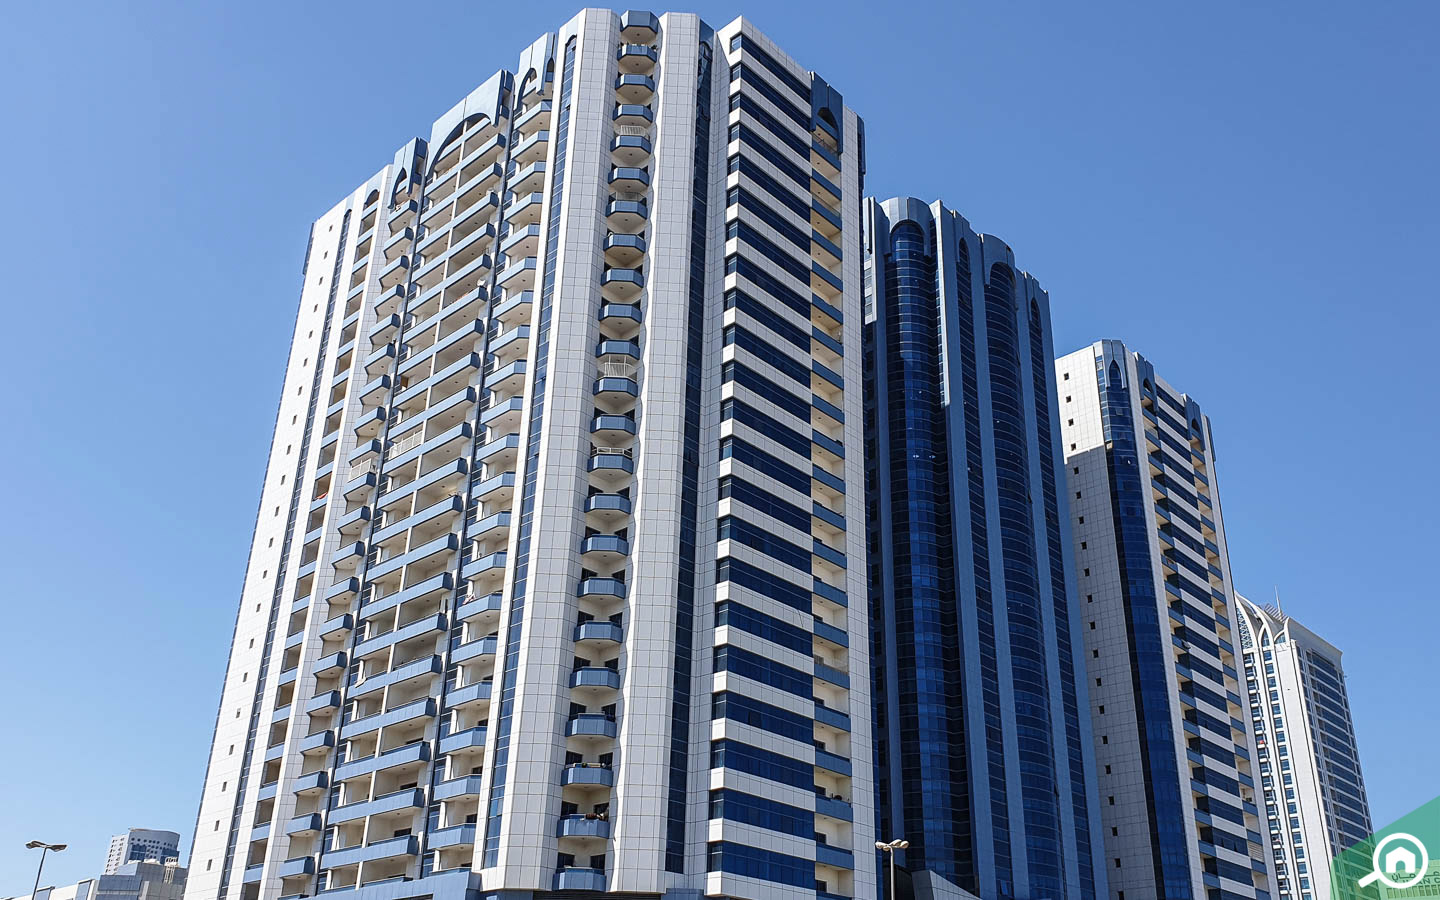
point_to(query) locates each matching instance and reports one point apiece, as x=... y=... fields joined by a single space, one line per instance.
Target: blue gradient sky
x=1245 y=193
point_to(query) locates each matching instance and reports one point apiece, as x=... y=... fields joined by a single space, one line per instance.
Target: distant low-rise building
x=139 y=845
x=81 y=890
x=148 y=880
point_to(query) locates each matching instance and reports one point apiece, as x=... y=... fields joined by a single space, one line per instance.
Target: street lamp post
x=43 y=848
x=884 y=847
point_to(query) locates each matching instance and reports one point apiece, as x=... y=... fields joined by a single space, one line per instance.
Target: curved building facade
x=983 y=755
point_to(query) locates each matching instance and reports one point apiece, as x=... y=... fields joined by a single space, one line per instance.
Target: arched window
x=527 y=83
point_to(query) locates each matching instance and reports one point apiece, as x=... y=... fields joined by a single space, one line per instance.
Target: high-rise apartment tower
x=557 y=582
x=1173 y=747
x=983 y=752
x=1314 y=794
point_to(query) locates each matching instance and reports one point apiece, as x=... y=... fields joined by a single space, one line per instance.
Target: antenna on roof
x=1277 y=600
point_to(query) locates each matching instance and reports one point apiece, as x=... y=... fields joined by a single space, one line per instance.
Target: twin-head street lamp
x=43 y=848
x=890 y=848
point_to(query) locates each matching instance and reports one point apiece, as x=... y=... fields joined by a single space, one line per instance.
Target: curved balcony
x=454 y=836
x=295 y=866
x=630 y=149
x=622 y=285
x=478 y=692
x=389 y=301
x=537 y=115
x=626 y=214
x=584 y=880
x=519 y=275
x=510 y=345
x=634 y=88
x=604 y=550
x=484 y=646
x=524 y=209
x=491 y=525
x=591 y=725
x=634 y=58
x=353 y=523
x=519 y=243
x=455 y=788
x=588 y=775
x=529 y=178
x=629 y=178
x=402 y=211
x=595 y=679
x=531 y=149
x=599 y=631
x=328 y=665
x=514 y=309
x=399 y=270
x=500 y=453
x=485 y=607
x=325 y=702
x=636 y=115
x=368 y=424
x=316 y=742
x=461 y=741
x=624 y=250
x=360 y=479
x=605 y=512
x=628 y=349
x=508 y=379
x=386 y=327
x=602 y=587
x=503 y=416
x=620 y=321
x=613 y=429
x=485 y=573
x=611 y=469
x=311 y=784
x=615 y=394
x=303 y=824
x=637 y=26
x=590 y=827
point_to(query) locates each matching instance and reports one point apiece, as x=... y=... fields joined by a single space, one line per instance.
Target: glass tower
x=983 y=755
x=550 y=588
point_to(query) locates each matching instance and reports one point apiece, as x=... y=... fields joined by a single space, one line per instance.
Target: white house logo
x=1400 y=861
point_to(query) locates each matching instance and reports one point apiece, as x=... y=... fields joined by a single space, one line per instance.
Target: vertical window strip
x=689 y=485
x=932 y=758
x=1028 y=670
x=296 y=492
x=980 y=557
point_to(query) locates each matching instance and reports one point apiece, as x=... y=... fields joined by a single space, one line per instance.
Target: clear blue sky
x=1246 y=193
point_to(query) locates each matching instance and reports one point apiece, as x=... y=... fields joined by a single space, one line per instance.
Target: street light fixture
x=43 y=848
x=890 y=848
